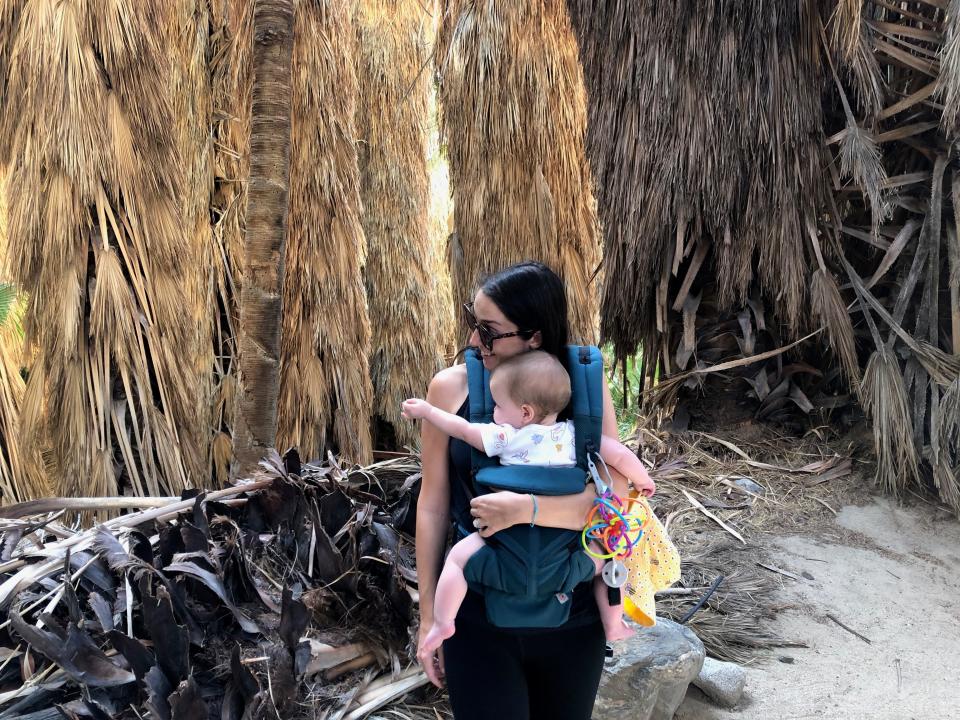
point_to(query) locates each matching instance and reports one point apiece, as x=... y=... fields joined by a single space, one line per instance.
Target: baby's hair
x=535 y=378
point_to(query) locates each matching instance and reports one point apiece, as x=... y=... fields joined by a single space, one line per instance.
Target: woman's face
x=489 y=314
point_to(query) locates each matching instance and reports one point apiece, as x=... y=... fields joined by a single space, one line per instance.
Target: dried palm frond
x=948 y=81
x=10 y=11
x=860 y=160
x=513 y=113
x=325 y=390
x=190 y=24
x=21 y=476
x=885 y=401
x=945 y=435
x=864 y=74
x=95 y=221
x=830 y=309
x=845 y=25
x=440 y=227
x=392 y=52
x=953 y=234
x=705 y=141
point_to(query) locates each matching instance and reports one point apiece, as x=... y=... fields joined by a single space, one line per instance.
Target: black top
x=583 y=609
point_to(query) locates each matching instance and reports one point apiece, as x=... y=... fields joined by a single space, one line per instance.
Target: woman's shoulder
x=453 y=375
x=449 y=386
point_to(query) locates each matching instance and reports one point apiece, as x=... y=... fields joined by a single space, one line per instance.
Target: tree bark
x=266 y=226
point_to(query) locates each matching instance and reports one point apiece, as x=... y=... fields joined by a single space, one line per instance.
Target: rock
x=721 y=681
x=649 y=673
x=750 y=486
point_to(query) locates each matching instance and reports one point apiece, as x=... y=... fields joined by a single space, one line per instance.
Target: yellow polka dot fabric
x=653 y=565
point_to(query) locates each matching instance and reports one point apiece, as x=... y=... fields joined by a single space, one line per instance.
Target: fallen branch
x=721 y=523
x=45 y=505
x=779 y=571
x=823 y=502
x=850 y=630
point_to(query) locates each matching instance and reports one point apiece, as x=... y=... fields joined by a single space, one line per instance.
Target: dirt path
x=890 y=573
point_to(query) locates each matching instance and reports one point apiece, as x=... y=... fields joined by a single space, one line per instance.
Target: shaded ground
x=892 y=574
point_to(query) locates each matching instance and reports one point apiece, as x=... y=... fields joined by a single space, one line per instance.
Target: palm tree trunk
x=260 y=299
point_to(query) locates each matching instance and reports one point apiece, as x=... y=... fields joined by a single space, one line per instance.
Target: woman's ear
x=536 y=340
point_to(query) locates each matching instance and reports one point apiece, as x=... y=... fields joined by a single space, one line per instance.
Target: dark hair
x=532 y=297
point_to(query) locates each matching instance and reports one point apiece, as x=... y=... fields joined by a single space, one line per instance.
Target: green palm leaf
x=8 y=299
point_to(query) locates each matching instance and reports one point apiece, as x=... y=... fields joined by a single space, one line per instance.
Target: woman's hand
x=497 y=511
x=432 y=662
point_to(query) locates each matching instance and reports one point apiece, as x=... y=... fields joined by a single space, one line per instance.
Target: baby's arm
x=618 y=456
x=452 y=425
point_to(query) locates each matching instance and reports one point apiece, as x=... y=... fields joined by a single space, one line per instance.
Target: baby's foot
x=437 y=634
x=618 y=631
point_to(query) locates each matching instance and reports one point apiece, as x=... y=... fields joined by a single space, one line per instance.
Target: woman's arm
x=433 y=507
x=500 y=510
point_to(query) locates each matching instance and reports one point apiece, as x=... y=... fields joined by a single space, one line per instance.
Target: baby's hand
x=644 y=484
x=415 y=408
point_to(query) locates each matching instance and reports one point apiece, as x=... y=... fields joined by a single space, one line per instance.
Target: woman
x=493 y=673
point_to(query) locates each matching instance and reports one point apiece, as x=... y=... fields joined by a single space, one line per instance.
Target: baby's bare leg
x=610 y=615
x=451 y=590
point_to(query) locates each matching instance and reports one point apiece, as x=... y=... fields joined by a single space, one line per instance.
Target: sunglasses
x=488 y=336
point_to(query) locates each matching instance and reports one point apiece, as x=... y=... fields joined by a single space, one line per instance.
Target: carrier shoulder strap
x=585 y=365
x=480 y=403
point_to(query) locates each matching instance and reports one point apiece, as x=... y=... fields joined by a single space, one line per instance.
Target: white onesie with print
x=544 y=445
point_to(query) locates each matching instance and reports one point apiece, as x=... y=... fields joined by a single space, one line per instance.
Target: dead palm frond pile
x=513 y=113
x=392 y=54
x=96 y=242
x=325 y=390
x=294 y=592
x=755 y=161
x=287 y=595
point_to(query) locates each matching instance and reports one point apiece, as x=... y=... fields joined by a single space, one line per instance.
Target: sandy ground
x=890 y=573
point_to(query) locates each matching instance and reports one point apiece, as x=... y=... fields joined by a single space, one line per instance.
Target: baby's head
x=529 y=388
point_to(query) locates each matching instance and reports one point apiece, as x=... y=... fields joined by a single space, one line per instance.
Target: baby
x=528 y=390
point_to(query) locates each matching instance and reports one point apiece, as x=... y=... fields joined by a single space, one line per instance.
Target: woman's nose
x=474 y=339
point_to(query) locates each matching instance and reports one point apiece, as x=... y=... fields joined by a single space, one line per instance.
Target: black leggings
x=497 y=675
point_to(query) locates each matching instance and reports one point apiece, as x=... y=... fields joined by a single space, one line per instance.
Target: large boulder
x=649 y=673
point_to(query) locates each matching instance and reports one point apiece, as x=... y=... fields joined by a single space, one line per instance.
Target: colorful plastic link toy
x=613 y=524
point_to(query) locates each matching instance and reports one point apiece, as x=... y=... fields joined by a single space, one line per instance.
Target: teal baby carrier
x=526 y=573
